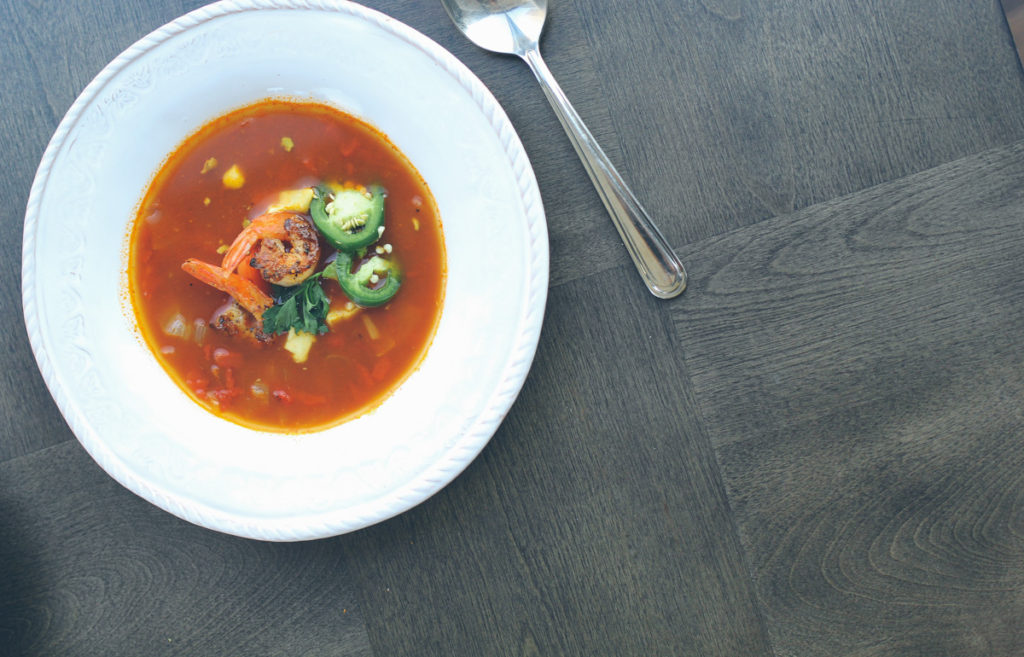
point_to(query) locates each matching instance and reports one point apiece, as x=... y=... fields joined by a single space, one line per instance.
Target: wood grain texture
x=593 y=524
x=728 y=112
x=834 y=405
x=87 y=568
x=859 y=366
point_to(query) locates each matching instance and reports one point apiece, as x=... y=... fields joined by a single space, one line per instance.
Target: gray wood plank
x=728 y=112
x=87 y=568
x=593 y=524
x=859 y=366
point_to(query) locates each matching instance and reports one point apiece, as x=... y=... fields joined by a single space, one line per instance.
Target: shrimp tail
x=240 y=248
x=244 y=291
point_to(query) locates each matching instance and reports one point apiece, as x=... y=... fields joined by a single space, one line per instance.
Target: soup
x=287 y=266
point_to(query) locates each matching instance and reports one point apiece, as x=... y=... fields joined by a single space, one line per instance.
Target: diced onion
x=177 y=327
x=259 y=390
x=199 y=328
x=371 y=328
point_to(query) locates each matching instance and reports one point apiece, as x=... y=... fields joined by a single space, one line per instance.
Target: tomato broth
x=207 y=191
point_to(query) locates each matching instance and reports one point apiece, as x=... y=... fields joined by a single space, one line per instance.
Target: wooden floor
x=818 y=450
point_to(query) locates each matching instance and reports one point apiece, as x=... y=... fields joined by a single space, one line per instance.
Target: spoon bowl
x=513 y=27
x=503 y=26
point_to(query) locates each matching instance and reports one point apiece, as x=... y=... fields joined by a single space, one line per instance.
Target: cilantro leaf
x=303 y=308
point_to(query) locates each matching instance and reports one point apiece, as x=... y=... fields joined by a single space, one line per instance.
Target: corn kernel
x=233 y=178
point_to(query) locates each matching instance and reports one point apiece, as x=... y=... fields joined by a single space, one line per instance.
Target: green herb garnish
x=303 y=308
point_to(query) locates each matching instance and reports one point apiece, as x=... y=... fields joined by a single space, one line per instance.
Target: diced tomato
x=222 y=396
x=196 y=381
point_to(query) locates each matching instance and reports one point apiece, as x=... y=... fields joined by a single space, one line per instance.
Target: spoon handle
x=658 y=265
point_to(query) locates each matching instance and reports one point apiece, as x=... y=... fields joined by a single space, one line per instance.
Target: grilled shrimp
x=231 y=319
x=244 y=291
x=283 y=247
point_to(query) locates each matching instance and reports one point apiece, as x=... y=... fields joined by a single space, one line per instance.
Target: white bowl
x=128 y=414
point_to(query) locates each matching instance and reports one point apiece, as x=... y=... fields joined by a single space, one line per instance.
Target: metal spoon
x=513 y=27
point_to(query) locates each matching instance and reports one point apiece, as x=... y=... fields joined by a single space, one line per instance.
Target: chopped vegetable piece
x=299 y=343
x=303 y=308
x=177 y=327
x=350 y=209
x=371 y=329
x=348 y=311
x=292 y=200
x=259 y=390
x=349 y=219
x=208 y=165
x=199 y=328
x=357 y=285
x=233 y=178
x=287 y=144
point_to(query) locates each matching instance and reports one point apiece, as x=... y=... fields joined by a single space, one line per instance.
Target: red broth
x=189 y=212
